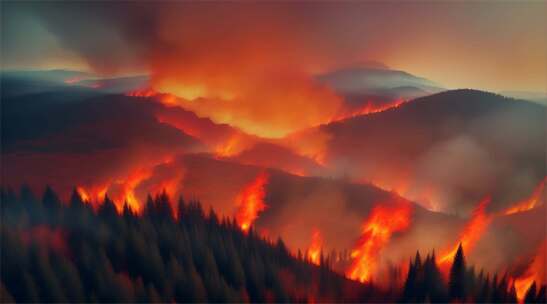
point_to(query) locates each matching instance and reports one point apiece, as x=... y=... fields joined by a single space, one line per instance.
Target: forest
x=54 y=251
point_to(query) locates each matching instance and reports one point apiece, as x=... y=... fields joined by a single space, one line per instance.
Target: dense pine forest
x=55 y=251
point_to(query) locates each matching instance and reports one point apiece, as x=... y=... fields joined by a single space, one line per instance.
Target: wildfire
x=398 y=186
x=166 y=99
x=251 y=201
x=534 y=272
x=531 y=202
x=382 y=222
x=472 y=231
x=229 y=148
x=73 y=80
x=128 y=189
x=314 y=252
x=147 y=92
x=369 y=108
x=83 y=194
x=94 y=195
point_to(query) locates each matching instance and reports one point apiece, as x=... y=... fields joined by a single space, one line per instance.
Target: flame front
x=314 y=252
x=377 y=231
x=534 y=200
x=369 y=108
x=472 y=231
x=93 y=195
x=73 y=80
x=535 y=272
x=83 y=194
x=129 y=186
x=164 y=98
x=251 y=202
x=230 y=147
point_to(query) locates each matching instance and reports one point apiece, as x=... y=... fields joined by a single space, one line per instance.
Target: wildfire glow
x=229 y=148
x=314 y=252
x=531 y=202
x=83 y=194
x=147 y=92
x=534 y=272
x=382 y=222
x=128 y=191
x=369 y=108
x=92 y=195
x=73 y=80
x=166 y=99
x=472 y=231
x=251 y=202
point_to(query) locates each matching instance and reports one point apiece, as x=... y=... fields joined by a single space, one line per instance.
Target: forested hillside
x=54 y=251
x=68 y=252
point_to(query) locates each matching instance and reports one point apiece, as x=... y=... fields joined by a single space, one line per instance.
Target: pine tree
x=149 y=208
x=530 y=296
x=433 y=282
x=107 y=208
x=542 y=296
x=75 y=199
x=50 y=199
x=27 y=196
x=181 y=209
x=163 y=206
x=457 y=276
x=410 y=284
x=484 y=294
x=512 y=296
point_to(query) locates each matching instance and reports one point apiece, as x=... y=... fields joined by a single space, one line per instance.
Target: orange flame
x=146 y=92
x=369 y=108
x=73 y=80
x=534 y=272
x=94 y=195
x=128 y=192
x=83 y=194
x=251 y=202
x=164 y=98
x=314 y=252
x=229 y=148
x=472 y=231
x=531 y=202
x=382 y=222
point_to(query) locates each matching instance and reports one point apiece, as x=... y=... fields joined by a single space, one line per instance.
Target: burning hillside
x=251 y=152
x=376 y=233
x=251 y=202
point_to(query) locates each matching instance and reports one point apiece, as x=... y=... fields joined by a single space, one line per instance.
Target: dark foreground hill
x=54 y=252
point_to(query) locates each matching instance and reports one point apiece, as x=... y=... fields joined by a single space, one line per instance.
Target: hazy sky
x=494 y=46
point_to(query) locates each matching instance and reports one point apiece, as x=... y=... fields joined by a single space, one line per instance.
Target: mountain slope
x=359 y=84
x=453 y=148
x=67 y=252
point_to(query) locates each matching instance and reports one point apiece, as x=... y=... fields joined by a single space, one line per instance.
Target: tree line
x=163 y=255
x=53 y=251
x=424 y=283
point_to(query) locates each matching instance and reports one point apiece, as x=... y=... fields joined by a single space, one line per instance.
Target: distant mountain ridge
x=360 y=82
